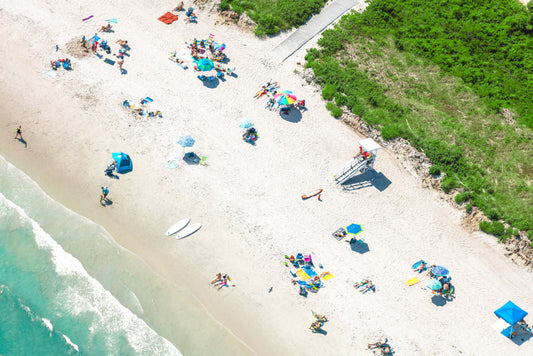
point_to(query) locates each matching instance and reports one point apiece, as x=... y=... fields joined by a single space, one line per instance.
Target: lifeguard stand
x=361 y=163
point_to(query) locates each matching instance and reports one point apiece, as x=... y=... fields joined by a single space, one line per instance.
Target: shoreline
x=247 y=198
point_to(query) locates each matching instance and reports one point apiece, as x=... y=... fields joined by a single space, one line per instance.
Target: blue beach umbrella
x=246 y=123
x=354 y=229
x=186 y=141
x=434 y=284
x=205 y=64
x=440 y=271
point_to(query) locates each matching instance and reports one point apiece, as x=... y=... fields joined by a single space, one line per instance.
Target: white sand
x=248 y=197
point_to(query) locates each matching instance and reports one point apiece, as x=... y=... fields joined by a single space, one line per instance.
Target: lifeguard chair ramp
x=359 y=164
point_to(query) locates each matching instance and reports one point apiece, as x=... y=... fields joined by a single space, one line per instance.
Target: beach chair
x=230 y=71
x=203 y=161
x=220 y=75
x=202 y=77
x=307 y=259
x=417 y=264
x=300 y=258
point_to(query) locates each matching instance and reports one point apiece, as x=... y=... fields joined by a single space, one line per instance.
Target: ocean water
x=67 y=288
x=49 y=303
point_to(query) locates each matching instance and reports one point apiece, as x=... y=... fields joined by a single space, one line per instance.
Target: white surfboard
x=178 y=226
x=188 y=230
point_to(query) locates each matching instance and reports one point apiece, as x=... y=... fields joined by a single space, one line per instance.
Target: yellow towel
x=412 y=281
x=304 y=276
x=326 y=276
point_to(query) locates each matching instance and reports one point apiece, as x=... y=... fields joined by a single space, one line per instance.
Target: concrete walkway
x=314 y=26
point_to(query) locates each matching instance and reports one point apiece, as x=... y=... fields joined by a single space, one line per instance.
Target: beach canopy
x=124 y=163
x=354 y=229
x=511 y=313
x=95 y=38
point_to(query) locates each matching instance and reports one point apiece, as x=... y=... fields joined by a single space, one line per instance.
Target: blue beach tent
x=124 y=163
x=511 y=313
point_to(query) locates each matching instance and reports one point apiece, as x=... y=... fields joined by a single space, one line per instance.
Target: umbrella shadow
x=367 y=179
x=211 y=83
x=438 y=300
x=292 y=115
x=360 y=247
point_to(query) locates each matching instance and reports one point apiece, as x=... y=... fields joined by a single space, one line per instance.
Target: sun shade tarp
x=511 y=313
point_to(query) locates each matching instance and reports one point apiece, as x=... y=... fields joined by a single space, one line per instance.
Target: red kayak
x=311 y=194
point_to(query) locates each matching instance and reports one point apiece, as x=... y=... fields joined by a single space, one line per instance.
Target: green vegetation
x=438 y=74
x=272 y=16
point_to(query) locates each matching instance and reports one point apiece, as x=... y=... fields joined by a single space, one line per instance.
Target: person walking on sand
x=120 y=62
x=103 y=197
x=18 y=132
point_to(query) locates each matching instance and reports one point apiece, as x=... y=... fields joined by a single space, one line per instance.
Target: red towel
x=168 y=18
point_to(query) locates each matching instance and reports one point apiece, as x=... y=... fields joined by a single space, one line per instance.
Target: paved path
x=314 y=26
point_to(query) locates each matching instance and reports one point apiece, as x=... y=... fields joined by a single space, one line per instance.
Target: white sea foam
x=86 y=296
x=71 y=343
x=48 y=325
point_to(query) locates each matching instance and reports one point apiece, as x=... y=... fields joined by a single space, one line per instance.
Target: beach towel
x=88 y=18
x=109 y=61
x=94 y=39
x=412 y=281
x=168 y=18
x=309 y=270
x=210 y=39
x=50 y=73
x=326 y=276
x=113 y=20
x=300 y=273
x=148 y=99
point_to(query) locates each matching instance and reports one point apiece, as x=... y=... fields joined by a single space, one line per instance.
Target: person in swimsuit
x=19 y=132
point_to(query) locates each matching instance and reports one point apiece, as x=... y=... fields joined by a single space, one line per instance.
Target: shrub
x=335 y=110
x=224 y=5
x=328 y=91
x=495 y=228
x=460 y=198
x=448 y=183
x=434 y=170
x=493 y=214
x=469 y=207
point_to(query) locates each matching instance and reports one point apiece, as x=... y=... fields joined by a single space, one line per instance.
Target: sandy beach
x=248 y=196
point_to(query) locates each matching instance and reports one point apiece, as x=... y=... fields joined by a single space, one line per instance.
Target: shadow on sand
x=367 y=179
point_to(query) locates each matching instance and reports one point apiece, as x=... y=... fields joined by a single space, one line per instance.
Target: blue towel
x=309 y=270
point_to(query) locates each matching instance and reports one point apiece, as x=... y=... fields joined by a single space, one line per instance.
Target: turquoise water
x=49 y=303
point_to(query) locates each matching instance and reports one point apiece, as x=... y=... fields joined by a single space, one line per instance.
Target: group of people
x=141 y=111
x=221 y=280
x=206 y=49
x=103 y=44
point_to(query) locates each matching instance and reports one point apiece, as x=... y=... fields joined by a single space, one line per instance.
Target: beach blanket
x=109 y=61
x=88 y=18
x=412 y=281
x=168 y=18
x=301 y=273
x=309 y=270
x=50 y=73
